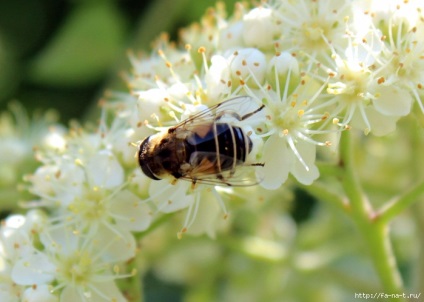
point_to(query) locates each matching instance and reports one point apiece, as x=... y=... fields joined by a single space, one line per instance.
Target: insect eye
x=166 y=164
x=144 y=160
x=164 y=153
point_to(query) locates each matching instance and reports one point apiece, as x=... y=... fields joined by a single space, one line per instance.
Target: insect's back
x=224 y=146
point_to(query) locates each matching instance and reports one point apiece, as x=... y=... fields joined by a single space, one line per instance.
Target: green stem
x=350 y=180
x=323 y=192
x=397 y=205
x=329 y=169
x=375 y=232
x=132 y=287
x=416 y=130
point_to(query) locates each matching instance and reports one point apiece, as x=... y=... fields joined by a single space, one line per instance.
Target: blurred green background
x=64 y=54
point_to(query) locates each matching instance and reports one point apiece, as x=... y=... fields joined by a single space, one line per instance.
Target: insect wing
x=231 y=111
x=204 y=166
x=205 y=171
x=244 y=176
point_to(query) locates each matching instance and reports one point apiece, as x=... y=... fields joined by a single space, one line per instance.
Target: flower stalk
x=392 y=208
x=374 y=231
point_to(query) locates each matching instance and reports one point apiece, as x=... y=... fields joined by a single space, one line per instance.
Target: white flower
x=245 y=62
x=393 y=13
x=231 y=36
x=16 y=244
x=78 y=266
x=311 y=26
x=260 y=28
x=86 y=190
x=19 y=136
x=218 y=78
x=39 y=293
x=283 y=72
x=57 y=184
x=281 y=160
x=359 y=88
x=294 y=115
x=290 y=147
x=33 y=269
x=15 y=239
x=168 y=66
x=402 y=63
x=209 y=217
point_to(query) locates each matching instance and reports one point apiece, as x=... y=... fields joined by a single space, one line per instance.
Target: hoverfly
x=208 y=147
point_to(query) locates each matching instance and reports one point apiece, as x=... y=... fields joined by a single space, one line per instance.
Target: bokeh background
x=64 y=55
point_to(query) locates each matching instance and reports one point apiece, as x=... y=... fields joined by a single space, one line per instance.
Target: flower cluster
x=19 y=134
x=317 y=67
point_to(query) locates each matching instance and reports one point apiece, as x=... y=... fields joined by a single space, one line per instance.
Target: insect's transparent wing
x=243 y=177
x=238 y=109
x=235 y=110
x=206 y=171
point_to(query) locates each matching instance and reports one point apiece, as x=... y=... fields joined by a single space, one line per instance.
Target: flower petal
x=70 y=294
x=104 y=170
x=259 y=27
x=7 y=295
x=60 y=240
x=209 y=216
x=109 y=290
x=33 y=269
x=393 y=102
x=129 y=212
x=116 y=244
x=380 y=124
x=278 y=159
x=170 y=198
x=308 y=153
x=40 y=293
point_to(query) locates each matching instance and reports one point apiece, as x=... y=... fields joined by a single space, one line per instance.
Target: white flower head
x=402 y=59
x=311 y=25
x=167 y=66
x=294 y=112
x=394 y=13
x=246 y=62
x=218 y=78
x=171 y=195
x=260 y=28
x=79 y=268
x=17 y=236
x=358 y=86
x=20 y=134
x=86 y=189
x=290 y=147
x=232 y=36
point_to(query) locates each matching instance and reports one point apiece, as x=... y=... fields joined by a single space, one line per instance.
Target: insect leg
x=238 y=116
x=218 y=158
x=252 y=113
x=223 y=180
x=233 y=138
x=257 y=164
x=193 y=183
